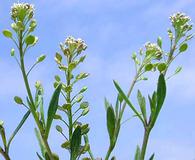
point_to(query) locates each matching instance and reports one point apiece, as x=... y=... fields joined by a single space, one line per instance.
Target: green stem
x=89 y=151
x=145 y=143
x=69 y=102
x=33 y=108
x=129 y=92
x=4 y=154
x=110 y=149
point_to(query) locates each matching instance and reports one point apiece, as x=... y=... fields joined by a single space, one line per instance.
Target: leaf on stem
x=142 y=104
x=41 y=144
x=161 y=92
x=111 y=120
x=152 y=157
x=127 y=100
x=53 y=106
x=75 y=143
x=159 y=42
x=158 y=99
x=18 y=128
x=40 y=158
x=137 y=154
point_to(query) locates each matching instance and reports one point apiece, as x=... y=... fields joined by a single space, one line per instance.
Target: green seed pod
x=18 y=100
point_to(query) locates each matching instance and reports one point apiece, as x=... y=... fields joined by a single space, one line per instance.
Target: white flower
x=181 y=22
x=19 y=11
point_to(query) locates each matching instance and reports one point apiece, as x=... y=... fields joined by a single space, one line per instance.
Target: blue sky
x=112 y=29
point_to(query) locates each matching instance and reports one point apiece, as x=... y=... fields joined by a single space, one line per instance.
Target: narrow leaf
x=137 y=154
x=152 y=157
x=142 y=104
x=18 y=128
x=161 y=92
x=75 y=143
x=41 y=144
x=40 y=158
x=127 y=100
x=111 y=123
x=53 y=106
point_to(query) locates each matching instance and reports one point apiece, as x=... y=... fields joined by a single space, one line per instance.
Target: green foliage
x=73 y=107
x=111 y=120
x=75 y=143
x=53 y=106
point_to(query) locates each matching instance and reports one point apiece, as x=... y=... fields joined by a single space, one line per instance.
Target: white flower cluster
x=153 y=50
x=181 y=21
x=19 y=11
x=77 y=44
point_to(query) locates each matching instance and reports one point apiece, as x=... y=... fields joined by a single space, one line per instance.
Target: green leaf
x=41 y=58
x=161 y=92
x=137 y=154
x=2 y=133
x=40 y=158
x=30 y=39
x=152 y=157
x=127 y=100
x=152 y=105
x=111 y=120
x=53 y=106
x=7 y=33
x=113 y=158
x=18 y=100
x=159 y=42
x=142 y=104
x=55 y=156
x=183 y=47
x=75 y=143
x=41 y=143
x=160 y=97
x=106 y=104
x=18 y=128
